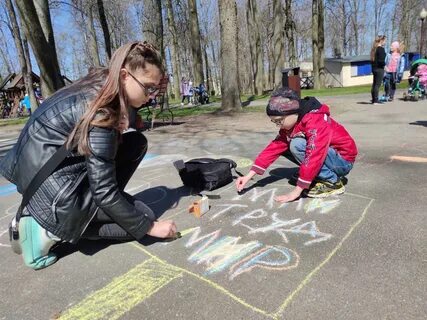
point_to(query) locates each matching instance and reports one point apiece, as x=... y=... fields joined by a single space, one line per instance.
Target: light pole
x=423 y=15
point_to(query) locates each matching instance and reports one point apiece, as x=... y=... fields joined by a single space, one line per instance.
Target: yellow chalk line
x=308 y=278
x=211 y=283
x=409 y=159
x=124 y=292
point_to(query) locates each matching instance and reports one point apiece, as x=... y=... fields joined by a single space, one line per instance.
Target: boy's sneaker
x=323 y=189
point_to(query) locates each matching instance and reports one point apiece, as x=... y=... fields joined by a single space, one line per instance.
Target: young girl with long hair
x=84 y=196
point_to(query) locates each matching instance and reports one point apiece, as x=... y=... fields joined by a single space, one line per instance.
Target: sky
x=64 y=28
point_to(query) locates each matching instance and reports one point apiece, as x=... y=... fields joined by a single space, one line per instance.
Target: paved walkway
x=361 y=255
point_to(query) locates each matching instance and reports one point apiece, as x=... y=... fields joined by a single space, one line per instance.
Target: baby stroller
x=417 y=81
x=202 y=94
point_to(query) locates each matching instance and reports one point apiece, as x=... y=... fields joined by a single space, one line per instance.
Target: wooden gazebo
x=12 y=90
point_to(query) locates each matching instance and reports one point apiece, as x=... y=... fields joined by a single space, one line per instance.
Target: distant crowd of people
x=193 y=95
x=388 y=68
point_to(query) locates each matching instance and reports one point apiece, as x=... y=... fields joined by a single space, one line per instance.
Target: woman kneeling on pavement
x=84 y=196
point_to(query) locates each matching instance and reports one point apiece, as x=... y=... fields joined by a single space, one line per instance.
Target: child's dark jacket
x=321 y=132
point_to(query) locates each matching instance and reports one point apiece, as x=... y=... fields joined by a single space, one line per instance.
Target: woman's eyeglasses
x=148 y=91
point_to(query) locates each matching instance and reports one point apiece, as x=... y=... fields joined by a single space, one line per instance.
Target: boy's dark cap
x=283 y=101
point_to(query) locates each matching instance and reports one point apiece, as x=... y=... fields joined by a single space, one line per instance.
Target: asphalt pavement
x=361 y=255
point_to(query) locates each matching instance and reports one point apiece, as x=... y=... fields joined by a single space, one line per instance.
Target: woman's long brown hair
x=375 y=45
x=110 y=105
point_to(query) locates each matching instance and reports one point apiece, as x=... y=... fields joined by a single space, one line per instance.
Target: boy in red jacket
x=309 y=137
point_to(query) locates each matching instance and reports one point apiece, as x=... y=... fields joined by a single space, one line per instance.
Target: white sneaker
x=182 y=103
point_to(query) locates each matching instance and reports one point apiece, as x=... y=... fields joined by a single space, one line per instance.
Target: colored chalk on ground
x=179 y=234
x=187 y=231
x=409 y=159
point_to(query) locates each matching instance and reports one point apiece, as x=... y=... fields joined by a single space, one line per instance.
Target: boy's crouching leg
x=36 y=243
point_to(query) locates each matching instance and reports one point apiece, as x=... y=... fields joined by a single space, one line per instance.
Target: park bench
x=158 y=108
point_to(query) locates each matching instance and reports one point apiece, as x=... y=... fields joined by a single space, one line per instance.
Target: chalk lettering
x=269 y=257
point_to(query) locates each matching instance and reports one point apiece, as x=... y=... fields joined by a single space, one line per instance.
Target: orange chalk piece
x=199 y=207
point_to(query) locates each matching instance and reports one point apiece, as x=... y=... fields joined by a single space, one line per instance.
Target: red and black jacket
x=321 y=132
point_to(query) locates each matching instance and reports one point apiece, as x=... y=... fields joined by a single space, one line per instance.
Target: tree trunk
x=217 y=85
x=315 y=41
x=16 y=36
x=45 y=53
x=355 y=22
x=92 y=41
x=43 y=12
x=278 y=42
x=174 y=49
x=152 y=23
x=208 y=74
x=195 y=43
x=318 y=40
x=23 y=54
x=33 y=100
x=229 y=62
x=290 y=33
x=250 y=21
x=344 y=28
x=256 y=47
x=104 y=25
x=321 y=32
x=26 y=74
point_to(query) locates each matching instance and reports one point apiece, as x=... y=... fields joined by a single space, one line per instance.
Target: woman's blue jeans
x=332 y=169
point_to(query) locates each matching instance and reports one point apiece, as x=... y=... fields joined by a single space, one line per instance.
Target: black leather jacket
x=68 y=200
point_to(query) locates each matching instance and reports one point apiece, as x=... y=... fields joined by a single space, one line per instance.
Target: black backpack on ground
x=206 y=173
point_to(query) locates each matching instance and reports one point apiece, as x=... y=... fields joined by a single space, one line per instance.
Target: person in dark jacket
x=378 y=56
x=309 y=137
x=84 y=196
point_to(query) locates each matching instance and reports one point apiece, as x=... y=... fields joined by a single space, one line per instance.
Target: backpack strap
x=41 y=176
x=233 y=165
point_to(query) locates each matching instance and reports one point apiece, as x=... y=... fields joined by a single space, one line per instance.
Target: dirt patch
x=211 y=125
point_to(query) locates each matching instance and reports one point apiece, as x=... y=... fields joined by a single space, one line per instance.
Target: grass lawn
x=344 y=91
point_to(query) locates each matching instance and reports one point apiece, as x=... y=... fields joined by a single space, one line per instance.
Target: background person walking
x=185 y=90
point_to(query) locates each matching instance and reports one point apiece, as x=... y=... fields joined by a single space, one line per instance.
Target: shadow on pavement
x=419 y=123
x=160 y=199
x=275 y=175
